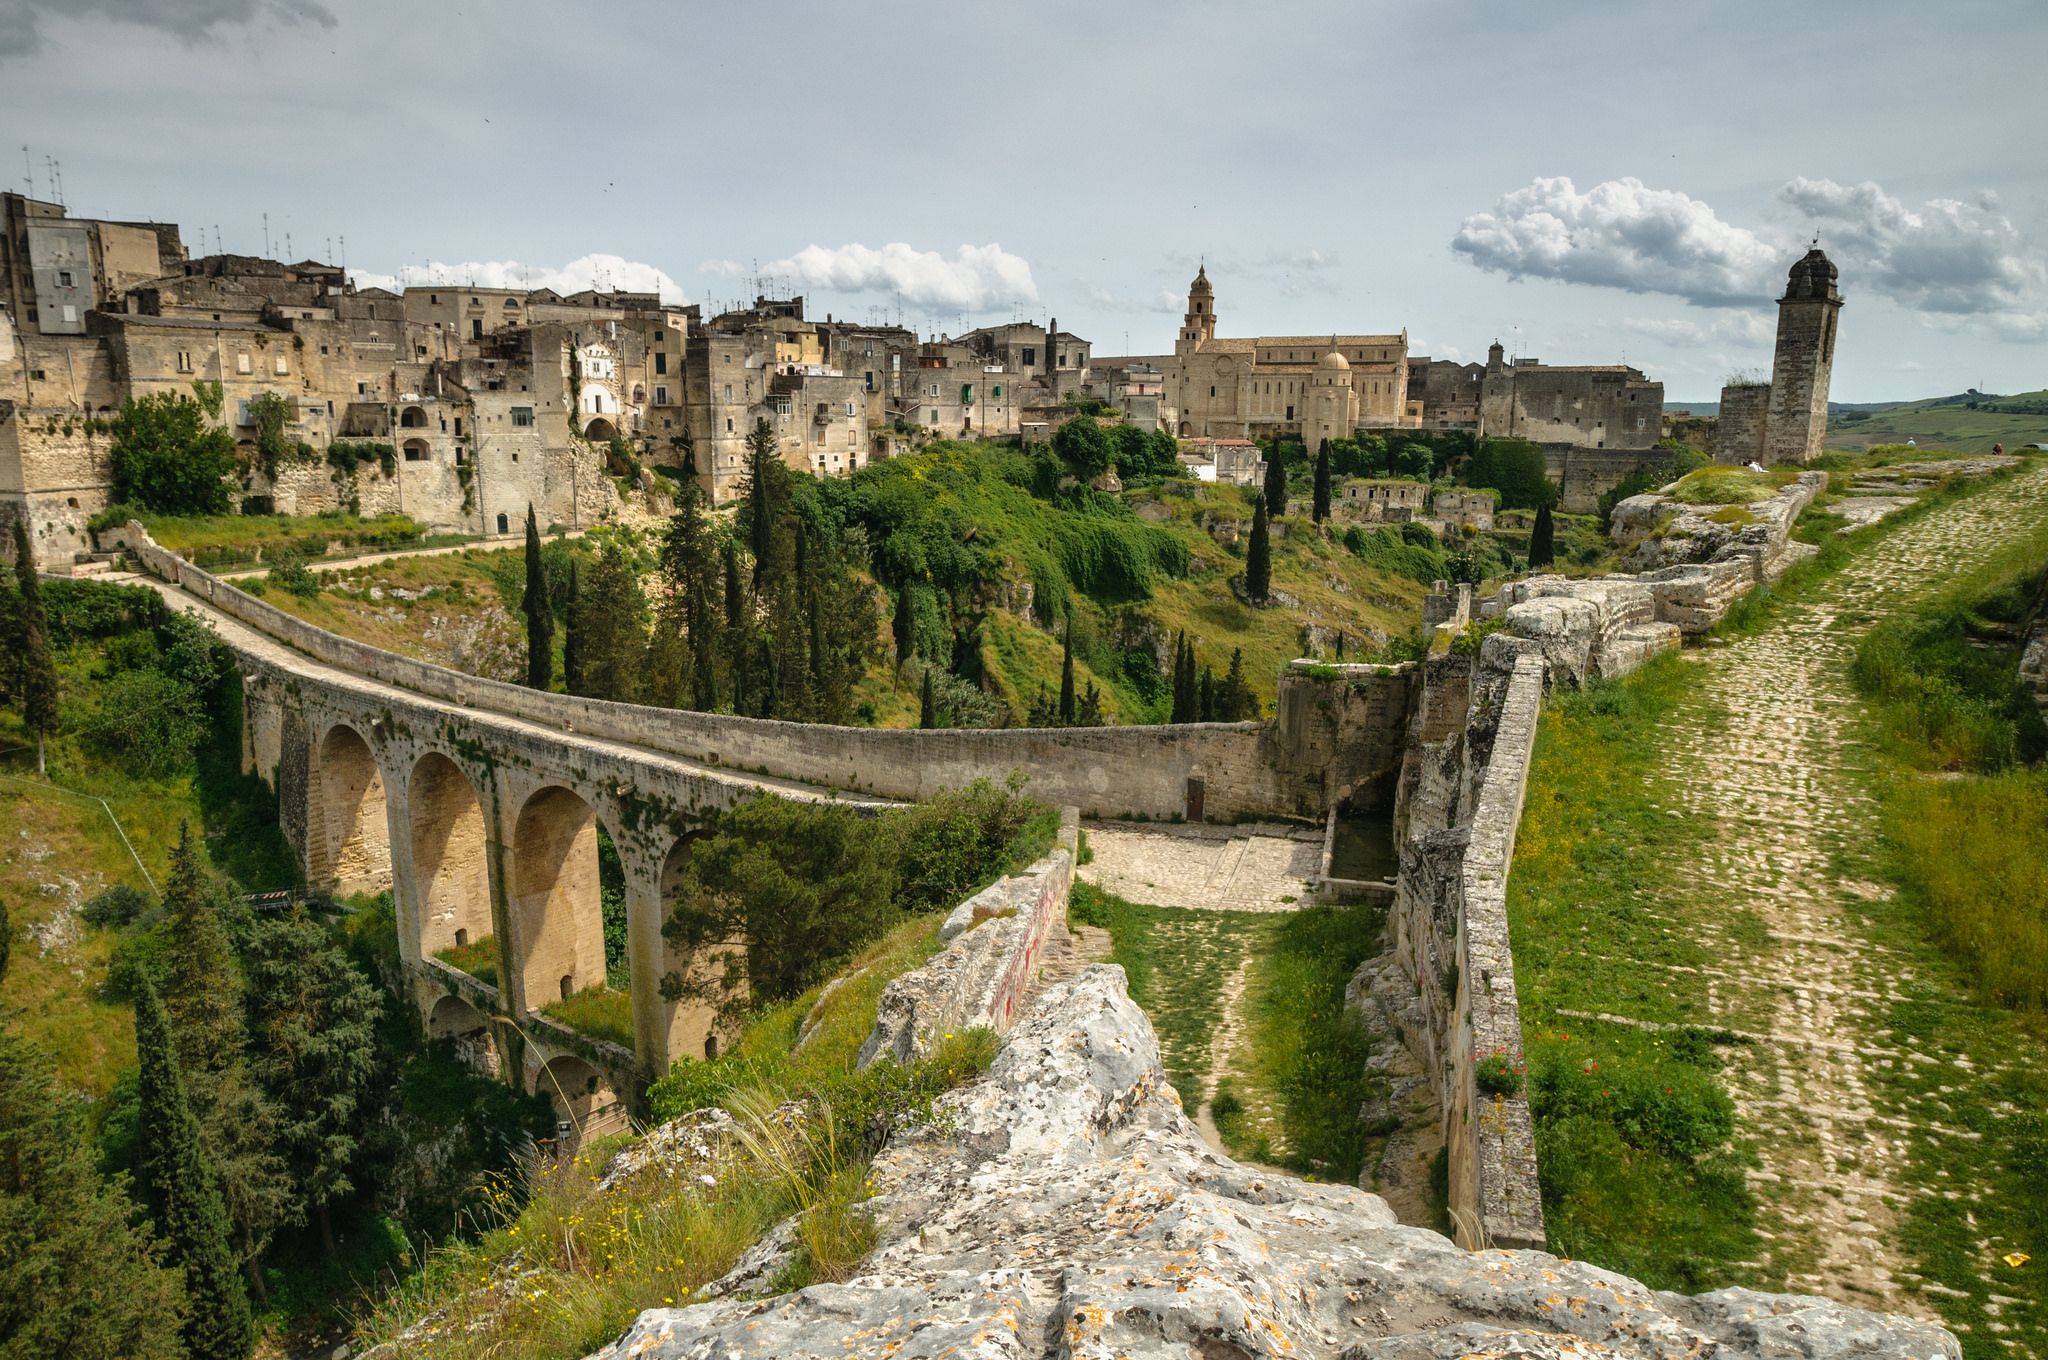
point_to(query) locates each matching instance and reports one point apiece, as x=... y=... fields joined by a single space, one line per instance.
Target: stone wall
x=54 y=472
x=1739 y=429
x=1584 y=475
x=1331 y=718
x=994 y=943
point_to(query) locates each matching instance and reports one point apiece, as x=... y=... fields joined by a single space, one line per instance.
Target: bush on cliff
x=168 y=457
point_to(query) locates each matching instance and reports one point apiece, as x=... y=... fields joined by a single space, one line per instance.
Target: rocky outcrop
x=1071 y=1209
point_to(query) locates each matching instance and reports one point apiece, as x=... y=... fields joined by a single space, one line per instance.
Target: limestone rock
x=1071 y=1209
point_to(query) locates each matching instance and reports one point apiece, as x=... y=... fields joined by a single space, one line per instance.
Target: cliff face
x=1071 y=1209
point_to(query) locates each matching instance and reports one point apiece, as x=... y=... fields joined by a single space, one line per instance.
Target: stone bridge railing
x=1196 y=771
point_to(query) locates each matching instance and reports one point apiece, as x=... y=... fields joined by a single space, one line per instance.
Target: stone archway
x=353 y=850
x=692 y=1020
x=581 y=1096
x=450 y=857
x=555 y=897
x=454 y=1019
x=600 y=430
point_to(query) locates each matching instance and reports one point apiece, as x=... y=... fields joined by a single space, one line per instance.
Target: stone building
x=1596 y=406
x=1370 y=500
x=55 y=268
x=1275 y=385
x=1786 y=419
x=1449 y=392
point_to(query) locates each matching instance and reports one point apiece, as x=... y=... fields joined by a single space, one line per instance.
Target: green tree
x=1067 y=675
x=6 y=938
x=1258 y=558
x=1235 y=701
x=1088 y=713
x=738 y=627
x=540 y=615
x=1186 y=700
x=313 y=1030
x=1083 y=447
x=611 y=627
x=903 y=624
x=1514 y=468
x=689 y=561
x=1320 y=503
x=1276 y=480
x=183 y=1190
x=764 y=503
x=37 y=676
x=572 y=634
x=167 y=457
x=203 y=994
x=1542 y=539
x=927 y=709
x=78 y=1277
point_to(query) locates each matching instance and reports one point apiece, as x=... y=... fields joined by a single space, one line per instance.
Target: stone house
x=1380 y=501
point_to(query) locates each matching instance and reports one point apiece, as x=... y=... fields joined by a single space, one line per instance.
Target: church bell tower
x=1198 y=327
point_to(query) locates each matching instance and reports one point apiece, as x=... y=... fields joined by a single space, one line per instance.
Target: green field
x=1947 y=422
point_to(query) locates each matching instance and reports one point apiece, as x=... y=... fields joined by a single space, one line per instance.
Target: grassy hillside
x=1971 y=423
x=994 y=550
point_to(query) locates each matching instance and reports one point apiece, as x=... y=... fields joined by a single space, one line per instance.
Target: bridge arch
x=691 y=1022
x=353 y=831
x=582 y=1096
x=453 y=1018
x=555 y=895
x=450 y=856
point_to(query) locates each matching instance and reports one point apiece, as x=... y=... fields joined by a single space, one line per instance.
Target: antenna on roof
x=30 y=166
x=344 y=252
x=266 y=236
x=57 y=169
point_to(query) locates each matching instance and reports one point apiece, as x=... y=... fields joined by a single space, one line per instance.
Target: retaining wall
x=995 y=941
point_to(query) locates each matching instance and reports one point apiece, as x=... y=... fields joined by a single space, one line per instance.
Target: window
x=932 y=416
x=362 y=389
x=415 y=452
x=728 y=424
x=279 y=366
x=323 y=349
x=476 y=328
x=868 y=380
x=241 y=363
x=1212 y=391
x=458 y=427
x=64 y=278
x=849 y=408
x=433 y=297
x=728 y=391
x=661 y=361
x=184 y=361
x=660 y=395
x=1030 y=356
x=1063 y=358
x=935 y=389
x=37 y=374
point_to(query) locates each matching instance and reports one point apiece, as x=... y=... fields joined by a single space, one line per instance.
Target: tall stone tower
x=1198 y=327
x=1330 y=403
x=1804 y=361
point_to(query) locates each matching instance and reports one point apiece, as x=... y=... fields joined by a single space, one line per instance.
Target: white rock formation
x=1073 y=1210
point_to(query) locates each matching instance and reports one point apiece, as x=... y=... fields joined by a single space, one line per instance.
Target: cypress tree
x=1067 y=676
x=572 y=640
x=1205 y=696
x=1276 y=480
x=1542 y=539
x=540 y=616
x=1088 y=713
x=313 y=1021
x=694 y=591
x=903 y=625
x=83 y=1280
x=927 y=706
x=1258 y=559
x=38 y=671
x=1320 y=505
x=1185 y=702
x=6 y=938
x=763 y=498
x=184 y=1192
x=1235 y=701
x=610 y=628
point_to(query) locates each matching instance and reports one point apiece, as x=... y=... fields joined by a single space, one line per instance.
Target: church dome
x=1335 y=362
x=1201 y=283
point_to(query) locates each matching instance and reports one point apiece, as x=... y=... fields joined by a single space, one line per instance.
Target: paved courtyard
x=1240 y=868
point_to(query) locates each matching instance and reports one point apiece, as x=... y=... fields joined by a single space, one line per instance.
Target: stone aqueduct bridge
x=478 y=803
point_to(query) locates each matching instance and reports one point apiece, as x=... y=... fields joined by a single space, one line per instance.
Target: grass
x=1723 y=485
x=62 y=848
x=601 y=1012
x=1302 y=1076
x=206 y=539
x=1178 y=963
x=1947 y=422
x=478 y=958
x=1637 y=1169
x=452 y=609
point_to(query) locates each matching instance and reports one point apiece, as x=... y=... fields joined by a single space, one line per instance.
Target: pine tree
x=38 y=676
x=1205 y=697
x=80 y=1278
x=927 y=707
x=738 y=630
x=572 y=635
x=1258 y=558
x=540 y=617
x=1276 y=481
x=1089 y=712
x=1067 y=676
x=764 y=499
x=689 y=562
x=184 y=1193
x=1186 y=702
x=202 y=995
x=313 y=1025
x=611 y=628
x=1235 y=701
x=1542 y=539
x=1320 y=506
x=903 y=625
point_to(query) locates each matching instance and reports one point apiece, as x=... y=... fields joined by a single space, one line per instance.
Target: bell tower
x=1804 y=362
x=1198 y=327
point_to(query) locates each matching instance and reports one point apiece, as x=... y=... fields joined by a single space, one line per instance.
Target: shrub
x=289 y=573
x=168 y=458
x=1499 y=1073
x=150 y=720
x=120 y=905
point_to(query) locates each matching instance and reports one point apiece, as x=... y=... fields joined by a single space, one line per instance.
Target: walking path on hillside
x=1843 y=1107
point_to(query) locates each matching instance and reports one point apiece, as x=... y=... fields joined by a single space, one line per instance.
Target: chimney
x=1051 y=344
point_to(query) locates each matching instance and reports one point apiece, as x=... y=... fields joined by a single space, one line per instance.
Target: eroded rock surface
x=1071 y=1209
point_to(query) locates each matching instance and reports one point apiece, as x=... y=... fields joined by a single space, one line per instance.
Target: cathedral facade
x=1308 y=387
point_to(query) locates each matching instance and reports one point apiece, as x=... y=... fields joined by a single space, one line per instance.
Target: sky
x=1590 y=181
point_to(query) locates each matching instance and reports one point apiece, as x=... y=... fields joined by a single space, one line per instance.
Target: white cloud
x=1737 y=328
x=724 y=269
x=588 y=271
x=190 y=21
x=972 y=279
x=1956 y=263
x=1620 y=234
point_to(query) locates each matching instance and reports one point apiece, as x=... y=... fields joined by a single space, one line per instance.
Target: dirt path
x=1765 y=748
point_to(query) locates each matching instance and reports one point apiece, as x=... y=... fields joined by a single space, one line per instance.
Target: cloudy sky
x=1587 y=179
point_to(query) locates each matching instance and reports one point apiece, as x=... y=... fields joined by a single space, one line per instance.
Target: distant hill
x=1968 y=421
